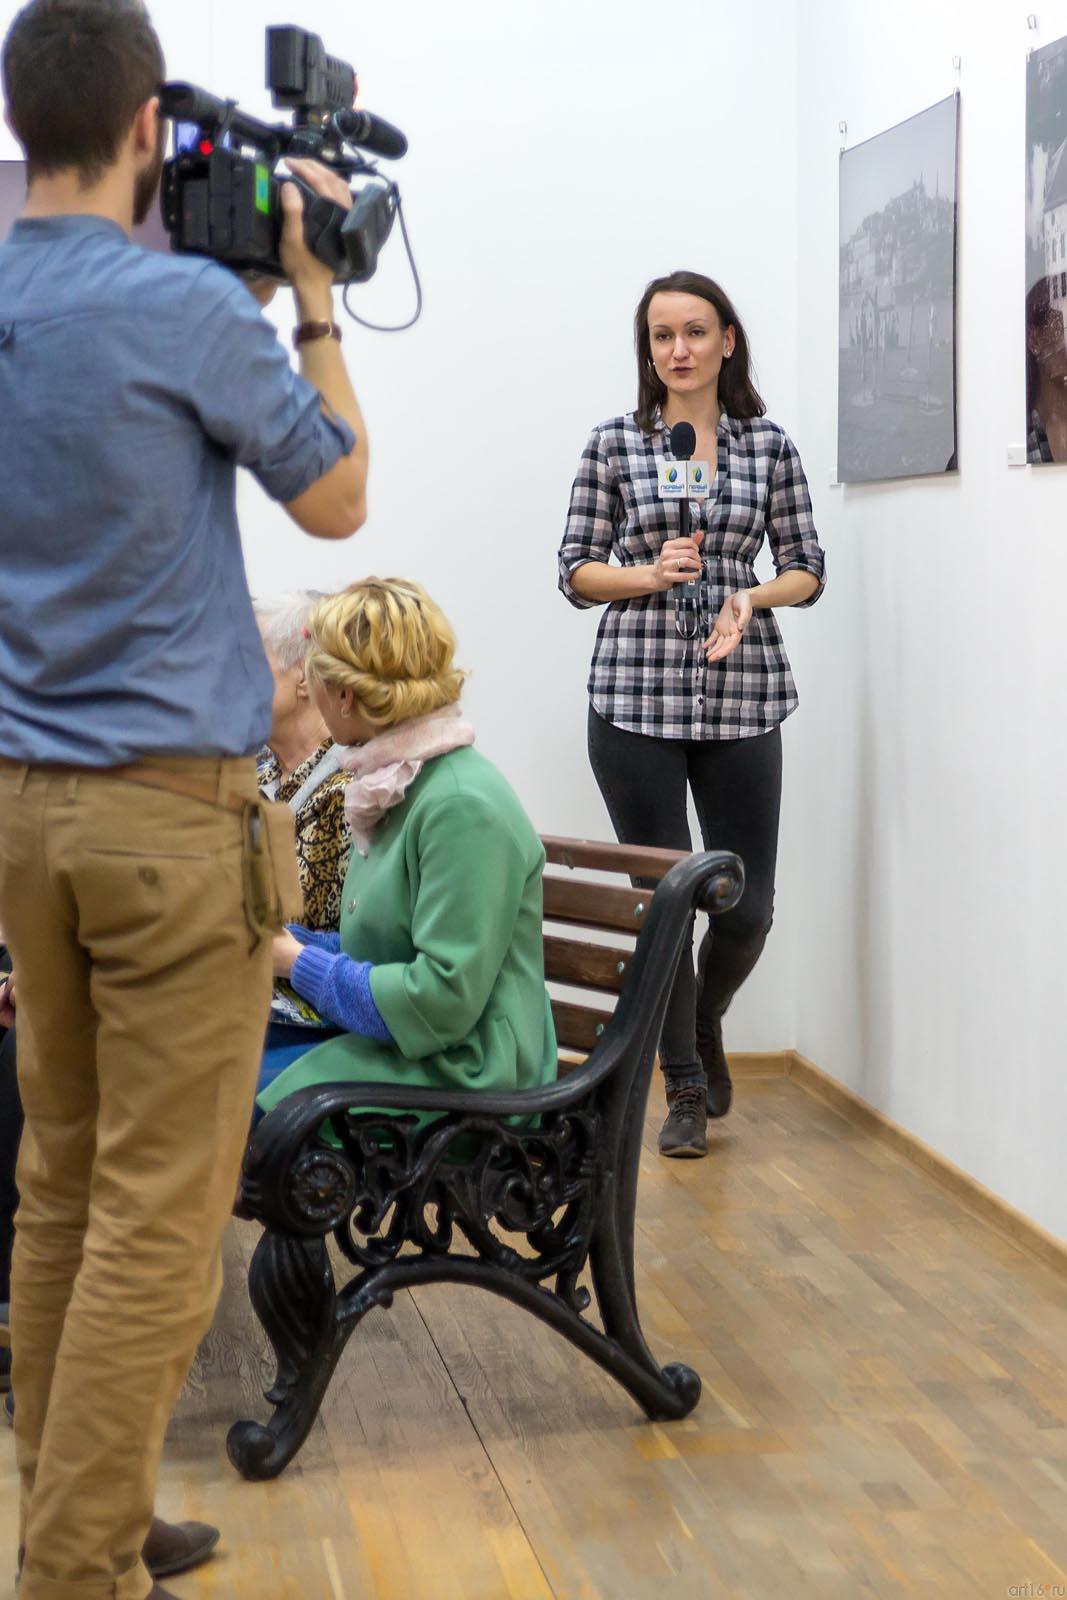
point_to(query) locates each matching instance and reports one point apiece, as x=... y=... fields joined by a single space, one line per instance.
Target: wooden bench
x=515 y=1193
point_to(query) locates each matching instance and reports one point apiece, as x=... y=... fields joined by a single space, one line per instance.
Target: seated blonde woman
x=437 y=973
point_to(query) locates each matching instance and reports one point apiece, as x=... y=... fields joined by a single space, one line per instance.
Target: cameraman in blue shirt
x=136 y=888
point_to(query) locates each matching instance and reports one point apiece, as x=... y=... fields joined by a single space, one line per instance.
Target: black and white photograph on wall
x=896 y=409
x=1046 y=253
x=151 y=234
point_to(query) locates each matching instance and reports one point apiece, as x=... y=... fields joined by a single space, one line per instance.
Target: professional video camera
x=221 y=197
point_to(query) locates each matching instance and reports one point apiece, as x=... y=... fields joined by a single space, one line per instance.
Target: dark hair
x=1039 y=314
x=75 y=73
x=737 y=394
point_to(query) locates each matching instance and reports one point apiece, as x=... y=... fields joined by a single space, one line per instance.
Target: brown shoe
x=685 y=1132
x=173 y=1547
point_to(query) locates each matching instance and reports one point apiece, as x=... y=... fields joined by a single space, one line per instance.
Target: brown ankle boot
x=173 y=1547
x=685 y=1132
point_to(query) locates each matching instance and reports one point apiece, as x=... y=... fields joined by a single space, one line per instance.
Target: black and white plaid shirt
x=644 y=677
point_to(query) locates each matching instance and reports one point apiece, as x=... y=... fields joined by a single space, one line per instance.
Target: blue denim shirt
x=132 y=385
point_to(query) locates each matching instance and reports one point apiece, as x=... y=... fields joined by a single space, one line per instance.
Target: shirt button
x=351 y=907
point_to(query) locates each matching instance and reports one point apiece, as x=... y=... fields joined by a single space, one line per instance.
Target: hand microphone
x=371 y=133
x=683 y=442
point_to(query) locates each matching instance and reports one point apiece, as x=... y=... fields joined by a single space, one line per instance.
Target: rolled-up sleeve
x=790 y=524
x=590 y=529
x=250 y=401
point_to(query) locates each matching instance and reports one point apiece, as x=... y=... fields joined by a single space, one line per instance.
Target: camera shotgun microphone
x=184 y=102
x=683 y=441
x=371 y=133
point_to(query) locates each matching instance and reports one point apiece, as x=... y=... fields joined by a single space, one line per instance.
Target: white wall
x=931 y=781
x=561 y=155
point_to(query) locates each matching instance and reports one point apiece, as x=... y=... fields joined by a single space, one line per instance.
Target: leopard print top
x=323 y=841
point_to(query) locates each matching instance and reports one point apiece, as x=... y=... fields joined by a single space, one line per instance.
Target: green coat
x=447 y=907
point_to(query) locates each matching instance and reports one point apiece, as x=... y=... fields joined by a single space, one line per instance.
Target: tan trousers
x=141 y=1013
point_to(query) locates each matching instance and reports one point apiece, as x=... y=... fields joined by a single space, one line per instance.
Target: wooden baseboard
x=759 y=1063
x=1022 y=1230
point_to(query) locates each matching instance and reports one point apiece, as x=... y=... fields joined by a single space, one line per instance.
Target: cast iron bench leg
x=292 y=1291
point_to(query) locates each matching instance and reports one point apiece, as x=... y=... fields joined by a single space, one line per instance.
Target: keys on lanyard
x=693 y=620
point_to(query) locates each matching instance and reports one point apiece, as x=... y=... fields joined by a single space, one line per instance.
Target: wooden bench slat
x=593 y=905
x=586 y=966
x=578 y=1027
x=635 y=861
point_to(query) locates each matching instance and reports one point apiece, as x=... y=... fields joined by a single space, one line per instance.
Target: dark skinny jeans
x=737 y=789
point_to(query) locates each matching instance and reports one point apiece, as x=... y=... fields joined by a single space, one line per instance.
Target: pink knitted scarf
x=384 y=768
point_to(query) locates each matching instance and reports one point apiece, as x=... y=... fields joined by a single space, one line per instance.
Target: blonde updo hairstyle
x=387 y=641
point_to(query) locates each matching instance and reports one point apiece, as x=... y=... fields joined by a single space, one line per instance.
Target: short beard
x=146 y=185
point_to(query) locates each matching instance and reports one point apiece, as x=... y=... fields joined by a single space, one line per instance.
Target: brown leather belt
x=147 y=777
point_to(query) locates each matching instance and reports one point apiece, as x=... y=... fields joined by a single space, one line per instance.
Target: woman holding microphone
x=690 y=681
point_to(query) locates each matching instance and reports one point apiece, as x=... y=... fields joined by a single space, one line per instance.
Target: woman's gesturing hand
x=678 y=562
x=729 y=626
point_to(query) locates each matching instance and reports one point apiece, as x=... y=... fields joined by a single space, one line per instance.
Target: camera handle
x=323 y=219
x=348 y=239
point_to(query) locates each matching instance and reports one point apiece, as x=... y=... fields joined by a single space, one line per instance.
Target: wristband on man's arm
x=306 y=332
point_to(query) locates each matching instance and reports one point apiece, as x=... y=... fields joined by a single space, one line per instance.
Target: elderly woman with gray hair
x=301 y=767
x=301 y=764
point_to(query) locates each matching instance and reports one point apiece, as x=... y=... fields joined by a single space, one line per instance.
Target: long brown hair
x=737 y=393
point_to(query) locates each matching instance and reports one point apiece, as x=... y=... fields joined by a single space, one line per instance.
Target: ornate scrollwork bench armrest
x=400 y=1175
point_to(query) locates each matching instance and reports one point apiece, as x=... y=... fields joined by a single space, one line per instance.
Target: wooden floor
x=884 y=1409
